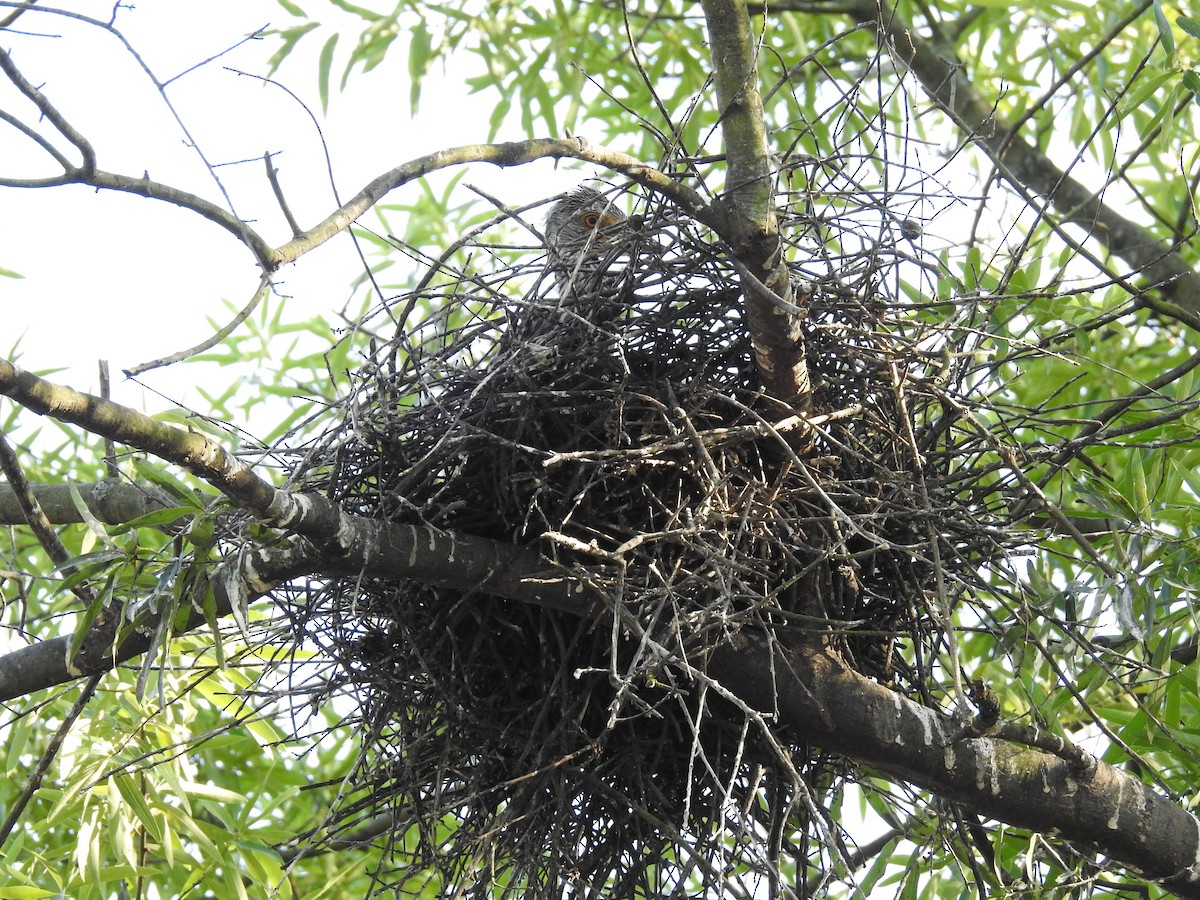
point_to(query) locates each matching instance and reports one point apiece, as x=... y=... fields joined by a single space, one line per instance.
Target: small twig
x=43 y=764
x=711 y=437
x=273 y=178
x=110 y=449
x=264 y=286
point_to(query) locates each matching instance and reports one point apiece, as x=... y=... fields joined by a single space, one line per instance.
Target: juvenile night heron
x=585 y=236
x=589 y=243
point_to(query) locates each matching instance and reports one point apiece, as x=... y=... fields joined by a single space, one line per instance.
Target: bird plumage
x=589 y=243
x=585 y=233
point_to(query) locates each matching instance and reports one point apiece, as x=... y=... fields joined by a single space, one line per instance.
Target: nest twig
x=626 y=436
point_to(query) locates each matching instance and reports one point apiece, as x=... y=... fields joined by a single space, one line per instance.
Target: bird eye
x=590 y=219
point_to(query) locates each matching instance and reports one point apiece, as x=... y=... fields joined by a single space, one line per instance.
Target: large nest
x=525 y=751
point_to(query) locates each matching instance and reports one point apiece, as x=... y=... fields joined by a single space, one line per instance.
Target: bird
x=589 y=243
x=585 y=235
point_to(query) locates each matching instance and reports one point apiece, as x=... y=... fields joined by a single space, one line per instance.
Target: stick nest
x=619 y=427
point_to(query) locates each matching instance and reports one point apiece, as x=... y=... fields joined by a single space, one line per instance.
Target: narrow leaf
x=324 y=64
x=1164 y=27
x=1189 y=26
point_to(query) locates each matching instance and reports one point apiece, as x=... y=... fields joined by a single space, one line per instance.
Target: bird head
x=585 y=227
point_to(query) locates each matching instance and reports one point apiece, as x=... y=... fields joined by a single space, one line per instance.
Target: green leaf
x=1188 y=26
x=133 y=795
x=419 y=58
x=1191 y=81
x=1164 y=27
x=972 y=268
x=290 y=38
x=161 y=477
x=95 y=526
x=1147 y=89
x=359 y=11
x=160 y=517
x=293 y=9
x=324 y=64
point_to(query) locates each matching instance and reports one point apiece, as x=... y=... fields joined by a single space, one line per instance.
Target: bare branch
x=213 y=339
x=277 y=190
x=46 y=108
x=504 y=155
x=516 y=153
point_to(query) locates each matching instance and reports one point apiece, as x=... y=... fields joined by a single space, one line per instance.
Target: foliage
x=183 y=776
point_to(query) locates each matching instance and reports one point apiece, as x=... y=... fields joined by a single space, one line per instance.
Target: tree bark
x=824 y=703
x=112 y=502
x=773 y=311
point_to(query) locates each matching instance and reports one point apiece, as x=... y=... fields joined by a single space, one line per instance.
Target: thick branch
x=375 y=550
x=752 y=227
x=814 y=698
x=112 y=502
x=335 y=540
x=826 y=704
x=944 y=78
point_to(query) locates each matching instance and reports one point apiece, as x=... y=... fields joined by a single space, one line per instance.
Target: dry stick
x=277 y=189
x=35 y=778
x=944 y=610
x=110 y=449
x=264 y=286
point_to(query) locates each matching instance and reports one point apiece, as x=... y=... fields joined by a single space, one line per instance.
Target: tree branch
x=506 y=154
x=515 y=153
x=828 y=705
x=329 y=540
x=811 y=695
x=944 y=78
x=112 y=502
x=752 y=228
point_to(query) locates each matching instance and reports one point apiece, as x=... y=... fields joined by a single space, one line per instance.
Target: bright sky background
x=130 y=279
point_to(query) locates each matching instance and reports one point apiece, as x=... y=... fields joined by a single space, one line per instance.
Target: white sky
x=130 y=279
